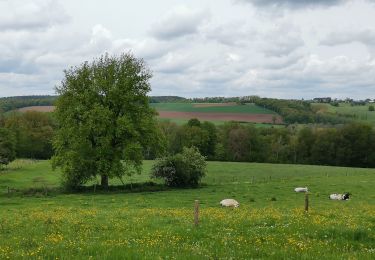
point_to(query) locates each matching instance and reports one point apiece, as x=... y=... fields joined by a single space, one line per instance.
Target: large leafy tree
x=104 y=118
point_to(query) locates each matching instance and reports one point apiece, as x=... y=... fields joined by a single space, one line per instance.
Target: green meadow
x=360 y=112
x=39 y=221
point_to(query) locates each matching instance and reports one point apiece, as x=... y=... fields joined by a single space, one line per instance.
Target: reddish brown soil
x=38 y=109
x=256 y=118
x=215 y=104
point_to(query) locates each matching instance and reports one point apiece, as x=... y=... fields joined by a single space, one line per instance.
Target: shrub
x=371 y=108
x=185 y=169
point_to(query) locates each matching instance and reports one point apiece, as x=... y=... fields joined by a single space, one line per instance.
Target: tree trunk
x=104 y=181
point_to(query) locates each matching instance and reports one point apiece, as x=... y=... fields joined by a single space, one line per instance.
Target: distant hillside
x=12 y=103
x=166 y=99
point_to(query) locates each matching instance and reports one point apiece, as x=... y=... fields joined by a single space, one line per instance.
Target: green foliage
x=185 y=169
x=33 y=132
x=371 y=108
x=297 y=111
x=346 y=145
x=105 y=120
x=7 y=147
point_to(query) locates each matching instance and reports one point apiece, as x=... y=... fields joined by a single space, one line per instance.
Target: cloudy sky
x=196 y=48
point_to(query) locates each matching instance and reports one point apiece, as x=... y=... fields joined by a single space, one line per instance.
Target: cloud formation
x=292 y=4
x=224 y=49
x=179 y=22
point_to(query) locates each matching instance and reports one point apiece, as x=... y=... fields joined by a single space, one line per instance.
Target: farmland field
x=217 y=113
x=270 y=222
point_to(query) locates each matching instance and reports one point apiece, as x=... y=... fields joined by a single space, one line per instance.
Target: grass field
x=270 y=222
x=360 y=112
x=192 y=107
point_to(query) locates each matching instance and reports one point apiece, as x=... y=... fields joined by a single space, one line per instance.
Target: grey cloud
x=292 y=4
x=281 y=40
x=232 y=34
x=365 y=36
x=31 y=15
x=180 y=22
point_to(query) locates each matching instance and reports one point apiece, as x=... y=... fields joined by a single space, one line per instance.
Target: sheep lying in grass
x=229 y=203
x=335 y=196
x=299 y=189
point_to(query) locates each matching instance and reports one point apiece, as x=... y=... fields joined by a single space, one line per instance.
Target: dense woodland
x=342 y=145
x=345 y=145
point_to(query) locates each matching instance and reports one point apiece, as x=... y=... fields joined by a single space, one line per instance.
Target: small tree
x=181 y=170
x=371 y=108
x=7 y=147
x=105 y=121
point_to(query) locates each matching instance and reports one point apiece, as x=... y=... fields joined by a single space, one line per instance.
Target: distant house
x=323 y=100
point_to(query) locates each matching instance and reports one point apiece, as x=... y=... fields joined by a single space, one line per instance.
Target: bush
x=371 y=108
x=185 y=169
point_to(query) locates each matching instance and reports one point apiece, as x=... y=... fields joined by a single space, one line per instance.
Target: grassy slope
x=361 y=112
x=189 y=107
x=150 y=224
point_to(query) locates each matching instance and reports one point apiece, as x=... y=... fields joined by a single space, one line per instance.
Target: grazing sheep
x=229 y=203
x=299 y=189
x=335 y=196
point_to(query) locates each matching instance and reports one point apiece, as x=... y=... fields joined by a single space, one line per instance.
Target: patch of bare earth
x=37 y=109
x=215 y=104
x=255 y=118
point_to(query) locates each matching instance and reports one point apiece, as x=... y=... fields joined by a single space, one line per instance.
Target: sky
x=196 y=48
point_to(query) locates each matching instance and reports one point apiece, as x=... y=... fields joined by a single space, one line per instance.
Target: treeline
x=11 y=103
x=349 y=145
x=31 y=133
x=297 y=111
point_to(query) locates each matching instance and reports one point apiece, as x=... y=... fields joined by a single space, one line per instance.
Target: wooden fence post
x=306 y=201
x=196 y=213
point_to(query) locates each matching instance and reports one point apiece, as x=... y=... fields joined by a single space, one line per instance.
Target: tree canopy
x=104 y=118
x=7 y=147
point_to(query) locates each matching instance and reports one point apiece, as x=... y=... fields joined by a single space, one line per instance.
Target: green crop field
x=270 y=222
x=360 y=112
x=191 y=107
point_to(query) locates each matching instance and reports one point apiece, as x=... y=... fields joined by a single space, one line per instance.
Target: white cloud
x=179 y=22
x=30 y=15
x=215 y=50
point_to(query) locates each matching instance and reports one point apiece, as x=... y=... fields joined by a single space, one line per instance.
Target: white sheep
x=229 y=203
x=300 y=189
x=336 y=196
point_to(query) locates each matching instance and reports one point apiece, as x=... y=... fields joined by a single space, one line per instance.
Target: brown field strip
x=37 y=109
x=256 y=118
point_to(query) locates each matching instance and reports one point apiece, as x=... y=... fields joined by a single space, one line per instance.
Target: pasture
x=360 y=112
x=270 y=222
